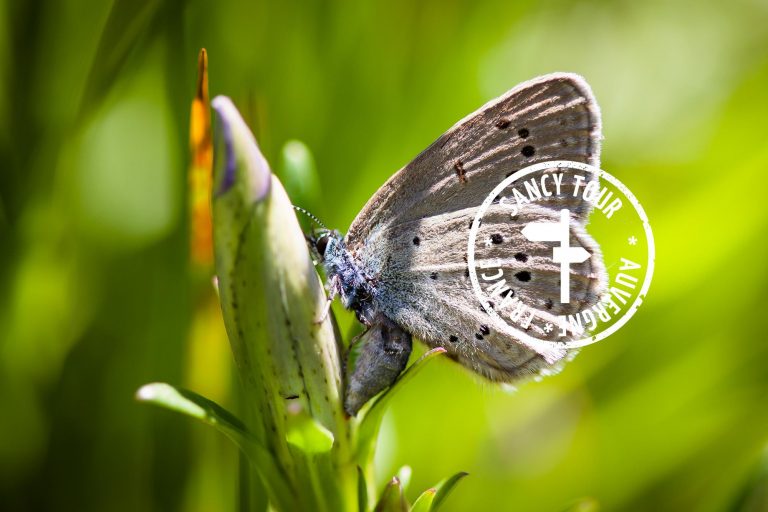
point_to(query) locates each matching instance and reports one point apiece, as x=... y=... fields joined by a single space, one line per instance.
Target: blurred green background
x=97 y=295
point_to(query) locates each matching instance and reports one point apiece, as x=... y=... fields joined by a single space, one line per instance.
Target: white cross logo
x=563 y=254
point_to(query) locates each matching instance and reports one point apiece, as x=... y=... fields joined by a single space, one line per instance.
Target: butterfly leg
x=332 y=292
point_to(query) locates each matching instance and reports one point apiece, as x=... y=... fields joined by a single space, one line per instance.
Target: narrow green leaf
x=424 y=502
x=194 y=405
x=209 y=412
x=444 y=488
x=362 y=491
x=126 y=26
x=392 y=499
x=307 y=434
x=299 y=174
x=404 y=475
x=370 y=421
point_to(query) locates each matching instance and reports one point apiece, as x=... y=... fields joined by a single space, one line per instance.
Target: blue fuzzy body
x=348 y=280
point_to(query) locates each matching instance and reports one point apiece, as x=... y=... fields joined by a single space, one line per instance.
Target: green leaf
x=307 y=434
x=444 y=488
x=404 y=475
x=124 y=31
x=424 y=502
x=370 y=421
x=431 y=499
x=362 y=491
x=196 y=406
x=392 y=499
x=299 y=173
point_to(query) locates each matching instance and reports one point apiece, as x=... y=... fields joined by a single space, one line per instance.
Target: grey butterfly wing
x=553 y=117
x=426 y=288
x=411 y=237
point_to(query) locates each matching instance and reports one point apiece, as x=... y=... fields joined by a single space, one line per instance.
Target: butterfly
x=402 y=266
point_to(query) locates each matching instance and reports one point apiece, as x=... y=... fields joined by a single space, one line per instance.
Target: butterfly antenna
x=305 y=212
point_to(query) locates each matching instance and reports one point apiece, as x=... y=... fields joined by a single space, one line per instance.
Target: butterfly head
x=320 y=239
x=325 y=243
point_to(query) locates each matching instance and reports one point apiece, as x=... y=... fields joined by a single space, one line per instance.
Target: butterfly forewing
x=554 y=117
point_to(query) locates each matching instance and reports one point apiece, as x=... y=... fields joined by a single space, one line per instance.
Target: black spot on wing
x=523 y=275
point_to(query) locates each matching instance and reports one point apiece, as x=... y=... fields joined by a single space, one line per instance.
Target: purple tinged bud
x=237 y=157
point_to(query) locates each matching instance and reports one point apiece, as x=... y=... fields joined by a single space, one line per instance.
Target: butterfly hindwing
x=422 y=282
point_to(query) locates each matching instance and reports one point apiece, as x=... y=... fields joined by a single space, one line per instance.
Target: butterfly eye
x=321 y=243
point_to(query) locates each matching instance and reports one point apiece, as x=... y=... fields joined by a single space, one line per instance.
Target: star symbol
x=548 y=328
x=488 y=242
x=632 y=240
